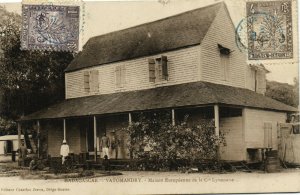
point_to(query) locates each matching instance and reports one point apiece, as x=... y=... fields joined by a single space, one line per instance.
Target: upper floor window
x=224 y=62
x=158 y=69
x=120 y=76
x=91 y=81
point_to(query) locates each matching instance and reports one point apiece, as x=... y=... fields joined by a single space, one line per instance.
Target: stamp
x=269 y=30
x=50 y=27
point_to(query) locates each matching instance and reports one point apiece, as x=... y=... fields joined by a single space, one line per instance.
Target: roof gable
x=182 y=30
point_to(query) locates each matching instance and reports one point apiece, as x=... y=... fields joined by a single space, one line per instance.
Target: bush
x=153 y=138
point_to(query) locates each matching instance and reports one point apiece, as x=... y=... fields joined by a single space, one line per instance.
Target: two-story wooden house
x=187 y=63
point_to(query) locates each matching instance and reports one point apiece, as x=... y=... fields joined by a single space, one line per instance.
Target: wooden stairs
x=239 y=166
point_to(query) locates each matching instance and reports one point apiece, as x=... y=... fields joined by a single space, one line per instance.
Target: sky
x=106 y=16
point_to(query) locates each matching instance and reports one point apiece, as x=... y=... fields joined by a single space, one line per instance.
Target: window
x=120 y=76
x=91 y=81
x=224 y=61
x=8 y=147
x=87 y=81
x=158 y=69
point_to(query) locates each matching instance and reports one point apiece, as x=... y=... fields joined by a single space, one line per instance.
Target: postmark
x=50 y=27
x=269 y=30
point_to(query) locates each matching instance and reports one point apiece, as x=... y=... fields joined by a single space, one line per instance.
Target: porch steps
x=114 y=164
x=239 y=166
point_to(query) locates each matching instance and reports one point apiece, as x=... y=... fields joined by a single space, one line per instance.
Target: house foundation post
x=129 y=123
x=217 y=127
x=19 y=136
x=95 y=138
x=38 y=137
x=217 y=120
x=19 y=142
x=173 y=117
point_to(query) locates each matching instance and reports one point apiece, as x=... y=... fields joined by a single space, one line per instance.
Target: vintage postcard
x=149 y=97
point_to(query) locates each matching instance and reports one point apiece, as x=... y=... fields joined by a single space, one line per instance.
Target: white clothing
x=105 y=152
x=64 y=150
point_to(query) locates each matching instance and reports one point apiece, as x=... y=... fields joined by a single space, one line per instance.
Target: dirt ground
x=147 y=182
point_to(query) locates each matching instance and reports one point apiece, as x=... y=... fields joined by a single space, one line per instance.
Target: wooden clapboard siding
x=73 y=135
x=222 y=32
x=55 y=136
x=183 y=67
x=55 y=133
x=232 y=128
x=250 y=79
x=74 y=84
x=254 y=126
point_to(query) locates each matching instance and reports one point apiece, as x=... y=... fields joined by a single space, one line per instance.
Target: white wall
x=222 y=32
x=232 y=128
x=254 y=126
x=2 y=143
x=183 y=67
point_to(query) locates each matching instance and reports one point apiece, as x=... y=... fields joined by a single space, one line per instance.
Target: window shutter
x=86 y=80
x=118 y=76
x=151 y=63
x=95 y=80
x=268 y=135
x=123 y=75
x=164 y=64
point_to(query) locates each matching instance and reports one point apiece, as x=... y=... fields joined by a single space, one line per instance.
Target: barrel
x=272 y=162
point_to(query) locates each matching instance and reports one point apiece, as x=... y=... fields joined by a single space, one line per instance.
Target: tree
x=283 y=92
x=29 y=80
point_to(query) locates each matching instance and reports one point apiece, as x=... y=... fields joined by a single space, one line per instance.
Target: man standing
x=105 y=144
x=64 y=151
x=23 y=153
x=115 y=143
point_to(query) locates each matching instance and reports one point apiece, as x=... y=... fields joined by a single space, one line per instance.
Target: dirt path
x=132 y=182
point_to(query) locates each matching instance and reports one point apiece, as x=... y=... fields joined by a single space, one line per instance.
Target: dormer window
x=224 y=50
x=224 y=62
x=158 y=69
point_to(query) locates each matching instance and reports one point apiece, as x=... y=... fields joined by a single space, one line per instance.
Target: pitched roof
x=175 y=96
x=182 y=30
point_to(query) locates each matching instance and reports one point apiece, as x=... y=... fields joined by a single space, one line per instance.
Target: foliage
x=162 y=145
x=29 y=80
x=7 y=126
x=283 y=92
